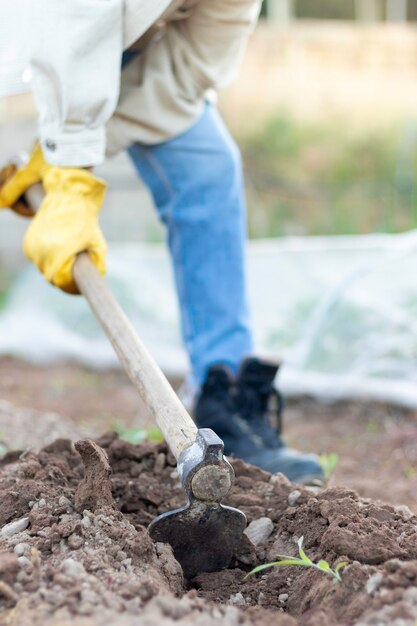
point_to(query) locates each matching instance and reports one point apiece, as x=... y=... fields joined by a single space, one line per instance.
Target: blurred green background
x=325 y=178
x=334 y=10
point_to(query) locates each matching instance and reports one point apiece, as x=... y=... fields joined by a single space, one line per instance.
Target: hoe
x=204 y=533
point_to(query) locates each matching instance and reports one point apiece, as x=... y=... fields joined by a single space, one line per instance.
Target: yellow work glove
x=66 y=224
x=14 y=182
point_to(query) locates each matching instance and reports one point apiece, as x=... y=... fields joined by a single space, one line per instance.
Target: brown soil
x=82 y=554
x=377 y=444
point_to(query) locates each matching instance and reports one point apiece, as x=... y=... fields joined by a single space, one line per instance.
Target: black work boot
x=237 y=410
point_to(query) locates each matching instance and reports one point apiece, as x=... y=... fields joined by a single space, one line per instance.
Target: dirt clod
x=9 y=566
x=94 y=491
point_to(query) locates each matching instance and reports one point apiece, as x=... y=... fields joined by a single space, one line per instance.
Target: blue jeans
x=197 y=185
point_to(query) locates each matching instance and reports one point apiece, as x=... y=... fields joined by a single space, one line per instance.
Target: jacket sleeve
x=75 y=59
x=208 y=47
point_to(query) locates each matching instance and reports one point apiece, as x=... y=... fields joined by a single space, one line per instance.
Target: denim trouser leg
x=196 y=183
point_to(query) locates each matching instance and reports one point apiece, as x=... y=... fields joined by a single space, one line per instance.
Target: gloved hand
x=66 y=224
x=14 y=182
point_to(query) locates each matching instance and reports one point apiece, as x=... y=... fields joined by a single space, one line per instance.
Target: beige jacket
x=186 y=47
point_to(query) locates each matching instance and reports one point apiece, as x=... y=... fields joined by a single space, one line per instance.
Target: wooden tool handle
x=168 y=412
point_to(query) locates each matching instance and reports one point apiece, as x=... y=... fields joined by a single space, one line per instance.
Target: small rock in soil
x=293 y=497
x=405 y=511
x=259 y=530
x=374 y=582
x=24 y=562
x=20 y=549
x=237 y=599
x=72 y=569
x=15 y=527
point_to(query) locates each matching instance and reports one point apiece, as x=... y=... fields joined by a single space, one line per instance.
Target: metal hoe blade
x=203 y=534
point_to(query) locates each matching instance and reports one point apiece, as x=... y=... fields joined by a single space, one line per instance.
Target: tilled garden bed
x=74 y=548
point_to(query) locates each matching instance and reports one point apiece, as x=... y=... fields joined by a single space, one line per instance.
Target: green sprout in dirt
x=138 y=435
x=304 y=561
x=328 y=464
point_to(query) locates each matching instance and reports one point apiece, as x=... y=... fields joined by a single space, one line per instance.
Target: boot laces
x=218 y=387
x=261 y=401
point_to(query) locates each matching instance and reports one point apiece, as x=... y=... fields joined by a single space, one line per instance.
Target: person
x=136 y=75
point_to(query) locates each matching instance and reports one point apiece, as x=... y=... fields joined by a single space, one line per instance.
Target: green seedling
x=304 y=561
x=329 y=463
x=410 y=472
x=138 y=435
x=372 y=426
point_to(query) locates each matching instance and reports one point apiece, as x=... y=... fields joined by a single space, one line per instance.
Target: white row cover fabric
x=340 y=311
